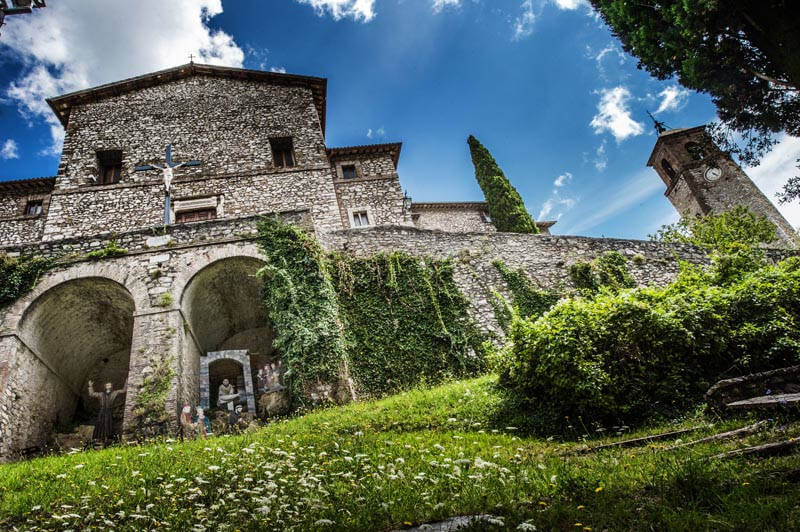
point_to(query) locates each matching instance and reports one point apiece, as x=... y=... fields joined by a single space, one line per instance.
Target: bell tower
x=702 y=179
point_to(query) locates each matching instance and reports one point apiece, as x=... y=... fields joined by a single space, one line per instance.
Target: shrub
x=112 y=249
x=639 y=353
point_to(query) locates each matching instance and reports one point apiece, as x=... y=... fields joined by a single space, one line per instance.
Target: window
x=33 y=208
x=668 y=169
x=360 y=219
x=696 y=151
x=110 y=164
x=282 y=152
x=195 y=215
x=349 y=171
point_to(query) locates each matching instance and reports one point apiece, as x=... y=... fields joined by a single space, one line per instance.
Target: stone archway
x=224 y=312
x=73 y=332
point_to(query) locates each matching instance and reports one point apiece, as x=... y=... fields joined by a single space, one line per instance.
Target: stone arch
x=71 y=332
x=111 y=270
x=222 y=308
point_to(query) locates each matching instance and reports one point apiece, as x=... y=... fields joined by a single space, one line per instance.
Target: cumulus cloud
x=358 y=10
x=672 y=99
x=9 y=150
x=278 y=70
x=438 y=5
x=523 y=24
x=776 y=167
x=614 y=116
x=74 y=45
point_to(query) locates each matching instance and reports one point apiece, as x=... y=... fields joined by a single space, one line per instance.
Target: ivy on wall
x=390 y=320
x=149 y=411
x=405 y=321
x=608 y=270
x=301 y=304
x=529 y=301
x=18 y=275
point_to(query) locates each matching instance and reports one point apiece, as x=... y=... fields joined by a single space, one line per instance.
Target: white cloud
x=75 y=45
x=776 y=167
x=358 y=10
x=378 y=133
x=562 y=180
x=278 y=70
x=568 y=4
x=635 y=190
x=672 y=99
x=9 y=150
x=557 y=203
x=600 y=157
x=438 y=5
x=614 y=116
x=523 y=25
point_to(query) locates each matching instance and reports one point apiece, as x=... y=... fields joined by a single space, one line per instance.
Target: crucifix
x=167 y=171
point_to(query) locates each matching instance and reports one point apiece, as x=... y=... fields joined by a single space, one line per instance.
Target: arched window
x=696 y=151
x=668 y=169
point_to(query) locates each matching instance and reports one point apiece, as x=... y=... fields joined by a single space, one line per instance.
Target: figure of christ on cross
x=167 y=171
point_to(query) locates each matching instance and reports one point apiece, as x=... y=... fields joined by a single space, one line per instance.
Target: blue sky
x=542 y=84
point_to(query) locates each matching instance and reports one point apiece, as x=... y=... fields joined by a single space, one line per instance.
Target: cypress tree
x=504 y=203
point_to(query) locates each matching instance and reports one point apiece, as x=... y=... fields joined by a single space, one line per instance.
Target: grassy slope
x=412 y=458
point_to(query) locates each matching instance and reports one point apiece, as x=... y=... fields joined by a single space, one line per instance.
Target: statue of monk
x=104 y=426
x=227 y=395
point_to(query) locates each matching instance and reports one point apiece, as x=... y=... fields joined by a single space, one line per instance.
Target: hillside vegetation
x=421 y=456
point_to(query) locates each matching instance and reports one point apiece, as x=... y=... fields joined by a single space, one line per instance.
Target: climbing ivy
x=529 y=300
x=608 y=270
x=300 y=302
x=112 y=249
x=406 y=321
x=390 y=320
x=18 y=275
x=148 y=407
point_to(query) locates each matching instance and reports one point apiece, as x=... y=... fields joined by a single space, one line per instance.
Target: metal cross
x=167 y=171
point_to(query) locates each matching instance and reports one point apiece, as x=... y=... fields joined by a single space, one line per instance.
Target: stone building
x=184 y=292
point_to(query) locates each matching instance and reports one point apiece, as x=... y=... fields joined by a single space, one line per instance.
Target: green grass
x=416 y=457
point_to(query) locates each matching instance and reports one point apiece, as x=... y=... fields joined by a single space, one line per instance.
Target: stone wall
x=380 y=197
x=21 y=230
x=453 y=220
x=545 y=258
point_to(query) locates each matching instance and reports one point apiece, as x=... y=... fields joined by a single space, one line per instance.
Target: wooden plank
x=765 y=401
x=749 y=429
x=767 y=449
x=641 y=441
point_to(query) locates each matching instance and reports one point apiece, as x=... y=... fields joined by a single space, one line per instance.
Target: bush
x=639 y=353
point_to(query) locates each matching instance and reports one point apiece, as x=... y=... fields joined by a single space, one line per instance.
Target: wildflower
x=324 y=522
x=542 y=503
x=62 y=475
x=598 y=489
x=213 y=468
x=581 y=507
x=526 y=526
x=79 y=466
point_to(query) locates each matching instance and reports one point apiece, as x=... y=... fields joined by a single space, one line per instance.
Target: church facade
x=183 y=292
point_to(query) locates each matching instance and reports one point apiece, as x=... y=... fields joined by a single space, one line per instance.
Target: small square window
x=282 y=152
x=349 y=171
x=360 y=219
x=33 y=208
x=110 y=164
x=197 y=215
